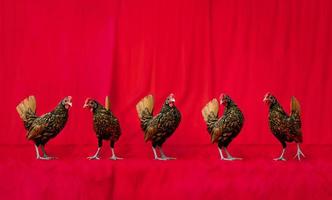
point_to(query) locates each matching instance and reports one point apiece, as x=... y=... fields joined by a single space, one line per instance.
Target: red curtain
x=195 y=49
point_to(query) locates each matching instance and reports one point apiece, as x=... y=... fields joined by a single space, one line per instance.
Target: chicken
x=286 y=128
x=41 y=129
x=227 y=127
x=105 y=125
x=159 y=128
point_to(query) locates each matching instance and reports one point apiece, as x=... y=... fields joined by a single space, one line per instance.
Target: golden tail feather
x=146 y=103
x=27 y=105
x=107 y=103
x=213 y=107
x=295 y=106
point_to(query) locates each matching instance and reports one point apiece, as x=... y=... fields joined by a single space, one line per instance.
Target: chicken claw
x=94 y=157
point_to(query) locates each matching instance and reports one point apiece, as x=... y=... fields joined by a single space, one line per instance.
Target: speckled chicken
x=41 y=129
x=159 y=128
x=227 y=127
x=105 y=125
x=286 y=128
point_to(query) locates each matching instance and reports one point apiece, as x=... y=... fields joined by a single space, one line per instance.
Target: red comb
x=87 y=100
x=222 y=95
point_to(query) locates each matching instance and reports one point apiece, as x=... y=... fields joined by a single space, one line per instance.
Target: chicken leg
x=281 y=157
x=155 y=154
x=163 y=156
x=299 y=152
x=114 y=157
x=229 y=156
x=45 y=156
x=37 y=153
x=96 y=156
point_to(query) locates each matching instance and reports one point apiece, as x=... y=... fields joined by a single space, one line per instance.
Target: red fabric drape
x=195 y=49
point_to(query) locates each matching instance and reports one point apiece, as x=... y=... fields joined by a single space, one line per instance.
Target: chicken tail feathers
x=215 y=134
x=210 y=110
x=210 y=114
x=295 y=106
x=149 y=133
x=144 y=110
x=145 y=105
x=26 y=108
x=27 y=111
x=295 y=119
x=107 y=103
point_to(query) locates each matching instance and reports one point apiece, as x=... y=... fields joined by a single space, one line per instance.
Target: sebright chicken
x=159 y=128
x=41 y=129
x=286 y=128
x=224 y=129
x=105 y=124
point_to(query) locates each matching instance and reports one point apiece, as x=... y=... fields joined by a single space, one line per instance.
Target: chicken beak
x=68 y=105
x=265 y=99
x=171 y=102
x=85 y=105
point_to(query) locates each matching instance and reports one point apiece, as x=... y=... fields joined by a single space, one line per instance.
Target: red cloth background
x=195 y=49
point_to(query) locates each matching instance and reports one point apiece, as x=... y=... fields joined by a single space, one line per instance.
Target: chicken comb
x=223 y=95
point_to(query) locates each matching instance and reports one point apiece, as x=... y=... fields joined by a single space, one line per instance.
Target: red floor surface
x=196 y=174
